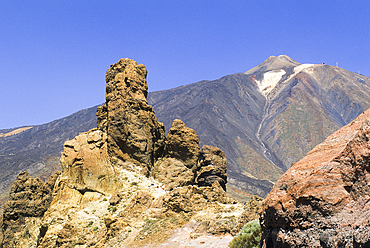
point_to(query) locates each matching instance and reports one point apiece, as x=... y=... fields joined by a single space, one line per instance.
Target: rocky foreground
x=324 y=199
x=127 y=183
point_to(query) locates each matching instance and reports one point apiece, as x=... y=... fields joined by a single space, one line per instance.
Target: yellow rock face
x=86 y=165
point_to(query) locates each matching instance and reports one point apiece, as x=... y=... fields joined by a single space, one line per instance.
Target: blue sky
x=54 y=54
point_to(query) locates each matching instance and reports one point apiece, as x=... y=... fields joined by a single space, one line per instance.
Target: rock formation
x=126 y=184
x=28 y=201
x=134 y=134
x=212 y=167
x=324 y=199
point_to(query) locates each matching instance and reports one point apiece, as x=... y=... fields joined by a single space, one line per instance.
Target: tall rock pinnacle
x=134 y=134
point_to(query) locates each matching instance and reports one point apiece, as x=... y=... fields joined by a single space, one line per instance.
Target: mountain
x=128 y=184
x=267 y=118
x=264 y=120
x=323 y=200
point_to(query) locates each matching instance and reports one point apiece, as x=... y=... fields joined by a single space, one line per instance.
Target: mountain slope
x=267 y=118
x=224 y=113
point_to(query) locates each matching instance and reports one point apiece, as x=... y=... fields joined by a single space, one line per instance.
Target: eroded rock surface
x=133 y=132
x=324 y=199
x=29 y=199
x=183 y=144
x=212 y=167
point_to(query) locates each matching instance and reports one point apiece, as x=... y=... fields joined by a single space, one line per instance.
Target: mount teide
x=267 y=118
x=264 y=119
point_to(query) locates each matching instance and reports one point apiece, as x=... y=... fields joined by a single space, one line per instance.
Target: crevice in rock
x=84 y=190
x=43 y=230
x=348 y=188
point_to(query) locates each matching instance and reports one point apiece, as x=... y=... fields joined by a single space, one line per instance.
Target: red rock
x=323 y=200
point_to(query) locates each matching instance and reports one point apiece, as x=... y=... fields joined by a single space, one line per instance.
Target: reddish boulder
x=324 y=199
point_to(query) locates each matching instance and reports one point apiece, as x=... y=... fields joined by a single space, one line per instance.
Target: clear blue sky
x=54 y=54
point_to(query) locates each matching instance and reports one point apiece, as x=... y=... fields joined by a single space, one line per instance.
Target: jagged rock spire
x=134 y=133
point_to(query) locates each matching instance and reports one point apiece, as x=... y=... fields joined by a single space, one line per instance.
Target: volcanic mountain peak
x=273 y=63
x=269 y=73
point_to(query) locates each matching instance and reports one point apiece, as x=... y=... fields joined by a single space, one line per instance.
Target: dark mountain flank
x=264 y=120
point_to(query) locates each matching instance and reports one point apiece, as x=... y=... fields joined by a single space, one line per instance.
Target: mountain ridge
x=255 y=130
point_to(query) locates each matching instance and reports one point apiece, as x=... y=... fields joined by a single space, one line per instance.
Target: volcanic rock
x=85 y=163
x=212 y=167
x=178 y=167
x=29 y=199
x=173 y=173
x=183 y=144
x=133 y=132
x=324 y=199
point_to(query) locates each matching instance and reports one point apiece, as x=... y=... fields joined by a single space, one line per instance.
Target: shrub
x=249 y=236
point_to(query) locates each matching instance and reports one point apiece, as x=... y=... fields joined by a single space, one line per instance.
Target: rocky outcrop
x=29 y=199
x=173 y=173
x=126 y=184
x=133 y=132
x=86 y=164
x=212 y=167
x=183 y=144
x=179 y=165
x=324 y=199
x=185 y=164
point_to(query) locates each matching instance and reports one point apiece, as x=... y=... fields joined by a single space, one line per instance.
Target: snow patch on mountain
x=306 y=67
x=269 y=81
x=301 y=67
